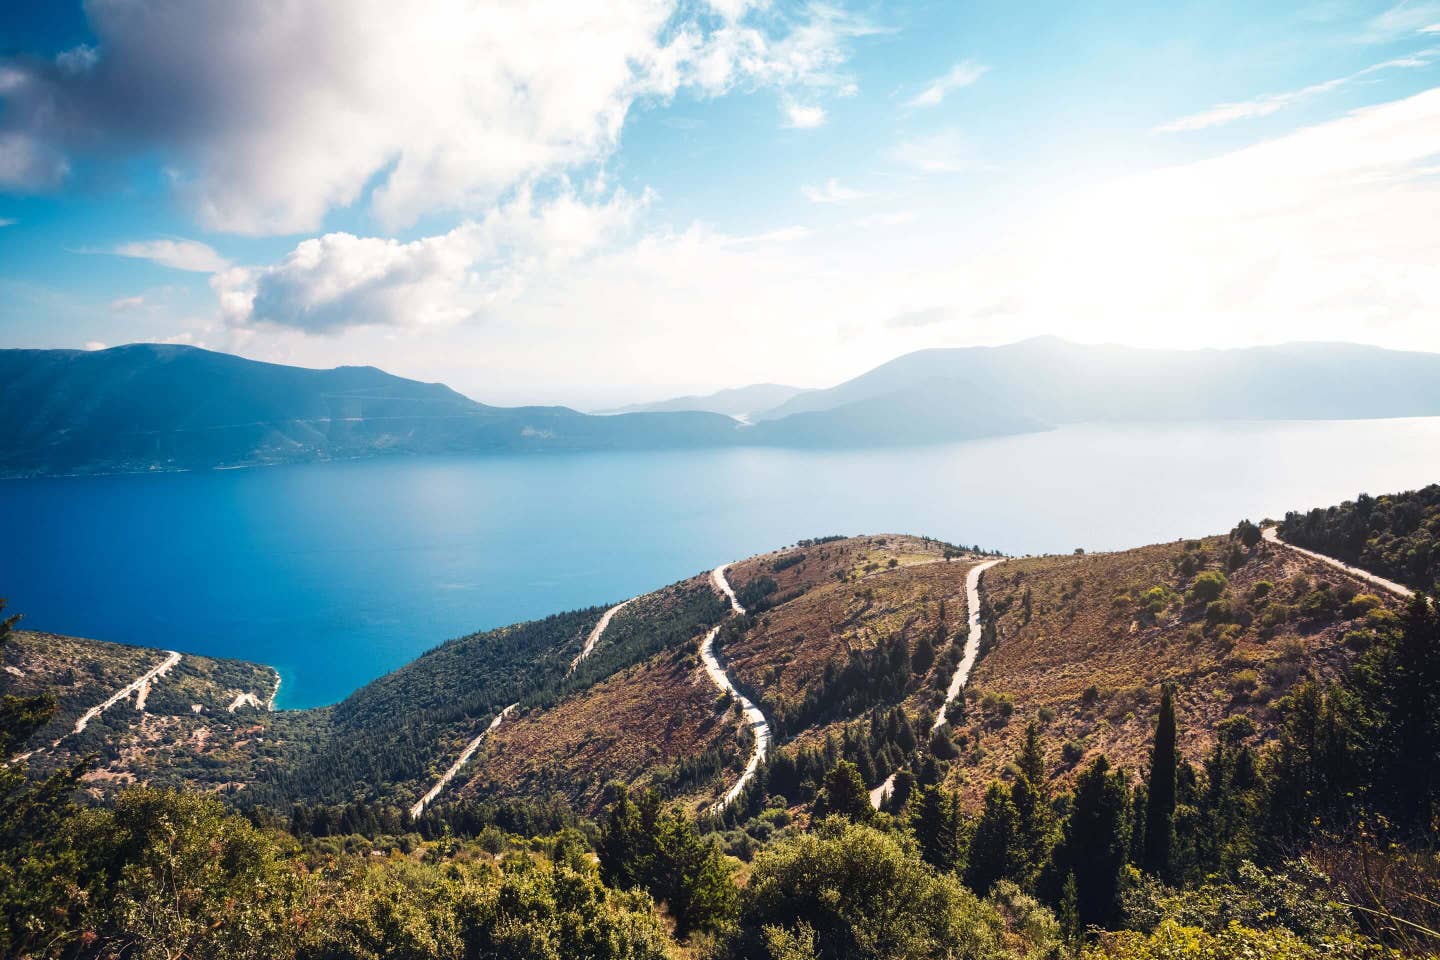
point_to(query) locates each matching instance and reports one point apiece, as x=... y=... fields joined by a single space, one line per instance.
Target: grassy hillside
x=1084 y=644
x=187 y=735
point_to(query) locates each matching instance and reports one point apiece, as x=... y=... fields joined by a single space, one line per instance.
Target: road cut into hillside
x=469 y=751
x=753 y=718
x=596 y=633
x=1400 y=590
x=972 y=639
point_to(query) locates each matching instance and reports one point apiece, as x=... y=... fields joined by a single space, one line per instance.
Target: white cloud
x=339 y=280
x=1432 y=28
x=273 y=115
x=7 y=221
x=1405 y=17
x=94 y=345
x=831 y=192
x=177 y=254
x=963 y=74
x=800 y=117
x=944 y=151
x=126 y=304
x=1264 y=106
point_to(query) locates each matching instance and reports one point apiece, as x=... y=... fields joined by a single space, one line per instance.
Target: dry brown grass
x=623 y=729
x=1087 y=659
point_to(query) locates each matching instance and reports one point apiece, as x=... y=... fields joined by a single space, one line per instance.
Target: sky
x=599 y=203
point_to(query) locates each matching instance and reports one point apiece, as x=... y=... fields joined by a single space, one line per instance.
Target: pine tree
x=1160 y=791
x=936 y=825
x=1035 y=822
x=844 y=794
x=995 y=850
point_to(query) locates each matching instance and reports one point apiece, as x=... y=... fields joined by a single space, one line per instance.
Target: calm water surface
x=336 y=573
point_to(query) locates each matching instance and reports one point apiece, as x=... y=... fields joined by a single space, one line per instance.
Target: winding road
x=420 y=805
x=594 y=637
x=1272 y=534
x=140 y=686
x=756 y=721
x=962 y=671
x=972 y=639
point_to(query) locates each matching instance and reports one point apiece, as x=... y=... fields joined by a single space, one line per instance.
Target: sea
x=335 y=573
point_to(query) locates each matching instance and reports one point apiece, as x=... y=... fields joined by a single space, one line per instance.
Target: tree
x=1160 y=791
x=1030 y=796
x=1247 y=533
x=641 y=845
x=35 y=862
x=996 y=851
x=935 y=821
x=864 y=893
x=844 y=794
x=1096 y=837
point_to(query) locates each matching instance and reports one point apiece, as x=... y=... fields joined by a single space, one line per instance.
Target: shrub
x=1208 y=585
x=865 y=893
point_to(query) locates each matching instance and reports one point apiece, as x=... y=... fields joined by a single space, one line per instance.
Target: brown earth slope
x=1083 y=644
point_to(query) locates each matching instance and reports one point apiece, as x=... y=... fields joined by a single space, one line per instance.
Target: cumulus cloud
x=341 y=280
x=963 y=74
x=800 y=117
x=274 y=114
x=126 y=304
x=1268 y=104
x=189 y=255
x=831 y=191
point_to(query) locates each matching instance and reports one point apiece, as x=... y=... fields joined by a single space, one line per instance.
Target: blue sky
x=591 y=204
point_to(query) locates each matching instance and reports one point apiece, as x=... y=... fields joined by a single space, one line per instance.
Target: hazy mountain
x=150 y=406
x=1061 y=382
x=733 y=402
x=933 y=411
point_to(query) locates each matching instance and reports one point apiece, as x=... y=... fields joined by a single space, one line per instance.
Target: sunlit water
x=336 y=573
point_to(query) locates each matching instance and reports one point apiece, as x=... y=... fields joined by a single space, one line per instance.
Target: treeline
x=1395 y=536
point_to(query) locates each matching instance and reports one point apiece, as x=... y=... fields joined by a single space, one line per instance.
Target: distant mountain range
x=166 y=407
x=734 y=402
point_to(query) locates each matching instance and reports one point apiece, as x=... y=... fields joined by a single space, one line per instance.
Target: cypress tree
x=1160 y=791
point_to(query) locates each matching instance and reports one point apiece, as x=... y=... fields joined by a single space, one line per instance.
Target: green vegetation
x=1283 y=804
x=1395 y=536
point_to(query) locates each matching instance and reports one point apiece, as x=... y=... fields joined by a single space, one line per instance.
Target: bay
x=338 y=572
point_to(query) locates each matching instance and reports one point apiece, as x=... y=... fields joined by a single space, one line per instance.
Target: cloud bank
x=275 y=114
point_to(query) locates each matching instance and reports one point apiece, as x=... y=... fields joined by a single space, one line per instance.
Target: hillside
x=165 y=407
x=1055 y=381
x=1083 y=644
x=200 y=724
x=732 y=402
x=837 y=630
x=1286 y=682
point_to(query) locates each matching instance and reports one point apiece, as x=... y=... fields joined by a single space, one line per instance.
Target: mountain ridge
x=147 y=407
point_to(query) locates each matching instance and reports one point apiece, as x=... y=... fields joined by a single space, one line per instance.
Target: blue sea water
x=337 y=573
